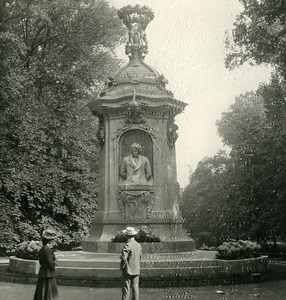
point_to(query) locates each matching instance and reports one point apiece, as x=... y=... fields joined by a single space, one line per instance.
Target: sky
x=186 y=44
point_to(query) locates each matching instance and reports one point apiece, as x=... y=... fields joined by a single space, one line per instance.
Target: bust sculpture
x=135 y=168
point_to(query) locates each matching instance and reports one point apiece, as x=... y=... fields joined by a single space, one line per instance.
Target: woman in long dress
x=46 y=286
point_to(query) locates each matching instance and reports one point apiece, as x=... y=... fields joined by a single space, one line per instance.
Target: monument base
x=158 y=247
x=173 y=237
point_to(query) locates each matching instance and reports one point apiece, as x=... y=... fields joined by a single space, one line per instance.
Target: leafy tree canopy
x=242 y=196
x=258 y=35
x=54 y=56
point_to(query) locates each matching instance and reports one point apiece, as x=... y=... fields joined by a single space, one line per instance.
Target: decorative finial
x=136 y=18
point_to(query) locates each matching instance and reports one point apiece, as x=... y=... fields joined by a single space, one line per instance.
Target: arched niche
x=136 y=196
x=140 y=137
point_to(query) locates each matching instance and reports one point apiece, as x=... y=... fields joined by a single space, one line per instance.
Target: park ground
x=272 y=290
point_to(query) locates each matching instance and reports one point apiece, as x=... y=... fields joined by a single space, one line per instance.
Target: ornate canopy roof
x=136 y=82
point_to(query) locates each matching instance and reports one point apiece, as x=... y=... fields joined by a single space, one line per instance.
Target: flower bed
x=238 y=250
x=143 y=236
x=28 y=250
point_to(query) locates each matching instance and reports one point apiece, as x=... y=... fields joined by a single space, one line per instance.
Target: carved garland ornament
x=136 y=204
x=101 y=132
x=172 y=134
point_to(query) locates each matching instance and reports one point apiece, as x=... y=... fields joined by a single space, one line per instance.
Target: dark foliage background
x=243 y=195
x=54 y=56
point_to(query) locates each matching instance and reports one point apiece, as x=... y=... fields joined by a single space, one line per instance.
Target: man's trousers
x=130 y=283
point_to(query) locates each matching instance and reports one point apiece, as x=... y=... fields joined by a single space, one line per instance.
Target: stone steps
x=93 y=269
x=144 y=264
x=146 y=256
x=105 y=273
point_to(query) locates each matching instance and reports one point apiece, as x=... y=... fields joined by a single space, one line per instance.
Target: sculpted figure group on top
x=136 y=18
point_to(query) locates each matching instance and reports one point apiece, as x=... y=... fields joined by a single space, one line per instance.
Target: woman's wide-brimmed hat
x=50 y=234
x=129 y=231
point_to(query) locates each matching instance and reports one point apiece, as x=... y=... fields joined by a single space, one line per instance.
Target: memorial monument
x=137 y=158
x=138 y=186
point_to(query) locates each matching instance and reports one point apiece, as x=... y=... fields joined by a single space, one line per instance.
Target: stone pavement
x=12 y=291
x=275 y=290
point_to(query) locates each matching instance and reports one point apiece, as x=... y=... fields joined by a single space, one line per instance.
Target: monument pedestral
x=135 y=108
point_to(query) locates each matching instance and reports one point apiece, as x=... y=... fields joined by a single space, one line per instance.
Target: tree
x=258 y=36
x=236 y=196
x=54 y=58
x=274 y=94
x=205 y=199
x=246 y=129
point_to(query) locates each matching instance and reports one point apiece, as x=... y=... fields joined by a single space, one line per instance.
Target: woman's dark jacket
x=47 y=262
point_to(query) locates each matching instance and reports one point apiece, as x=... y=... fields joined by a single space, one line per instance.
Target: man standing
x=130 y=265
x=135 y=168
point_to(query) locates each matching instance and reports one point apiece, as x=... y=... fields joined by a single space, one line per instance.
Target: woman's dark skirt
x=46 y=289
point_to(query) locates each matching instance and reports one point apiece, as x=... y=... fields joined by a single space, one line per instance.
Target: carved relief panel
x=136 y=203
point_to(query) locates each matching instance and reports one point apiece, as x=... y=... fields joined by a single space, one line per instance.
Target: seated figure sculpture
x=135 y=168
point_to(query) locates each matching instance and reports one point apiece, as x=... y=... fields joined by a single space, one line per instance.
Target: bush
x=207 y=248
x=28 y=250
x=8 y=239
x=238 y=250
x=274 y=250
x=143 y=236
x=68 y=246
x=7 y=251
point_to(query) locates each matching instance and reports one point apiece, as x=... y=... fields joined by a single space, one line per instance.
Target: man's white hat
x=130 y=231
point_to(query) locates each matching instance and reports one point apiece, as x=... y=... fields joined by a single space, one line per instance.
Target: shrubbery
x=274 y=250
x=207 y=248
x=238 y=250
x=28 y=250
x=143 y=236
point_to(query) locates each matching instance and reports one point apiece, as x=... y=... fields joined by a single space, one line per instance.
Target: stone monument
x=137 y=158
x=138 y=186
